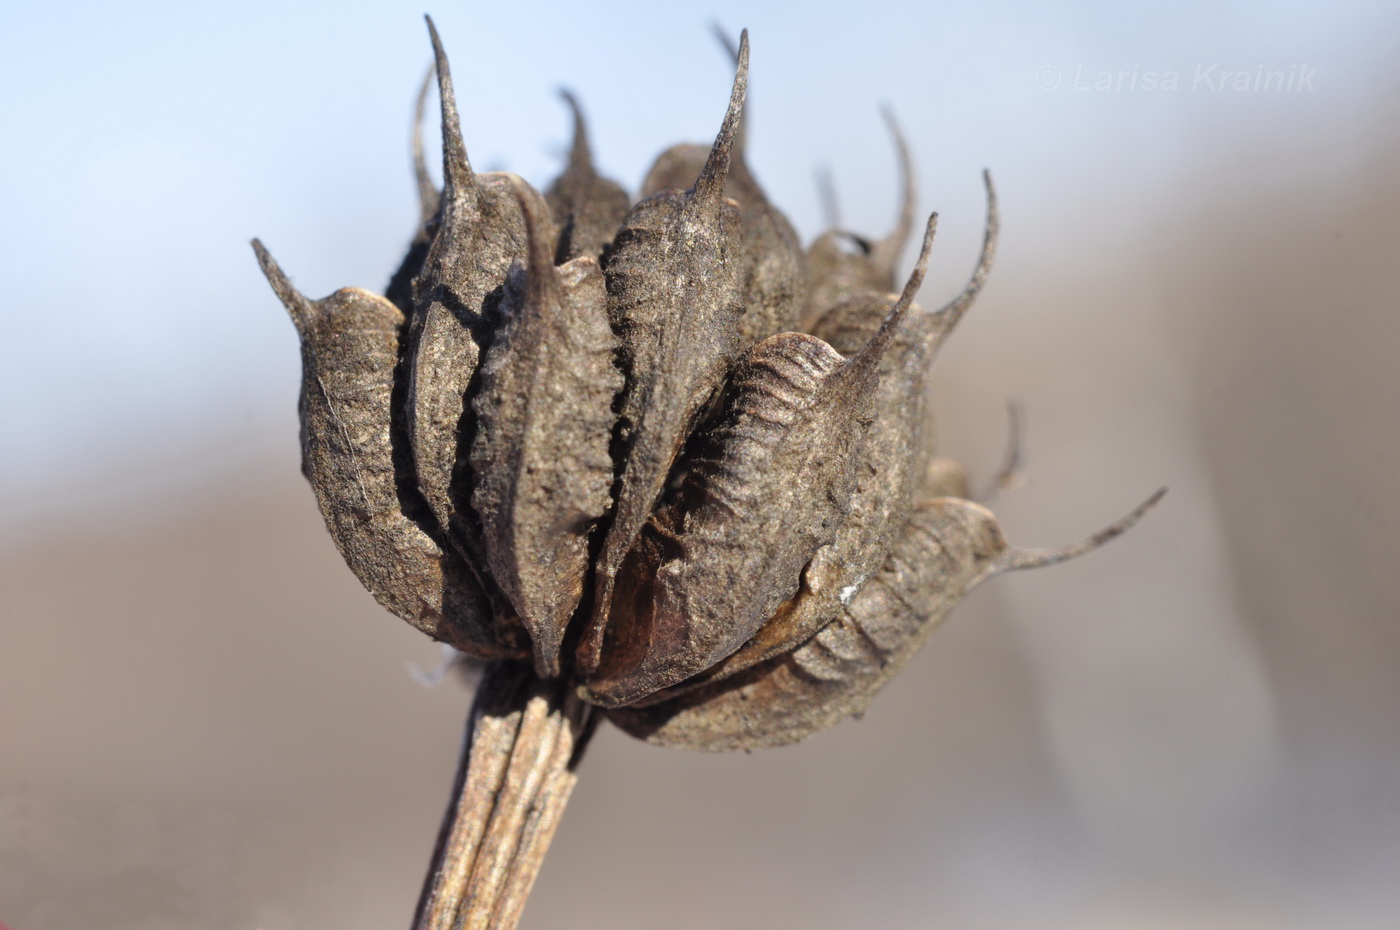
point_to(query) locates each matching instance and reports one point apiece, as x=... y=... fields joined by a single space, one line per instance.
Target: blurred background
x=206 y=723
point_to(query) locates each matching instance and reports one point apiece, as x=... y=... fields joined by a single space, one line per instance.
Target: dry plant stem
x=524 y=737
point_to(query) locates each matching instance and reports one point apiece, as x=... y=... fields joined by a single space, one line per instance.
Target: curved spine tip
x=297 y=304
x=1011 y=473
x=1014 y=559
x=709 y=187
x=953 y=311
x=580 y=151
x=727 y=43
x=427 y=190
x=540 y=281
x=886 y=252
x=870 y=354
x=457 y=177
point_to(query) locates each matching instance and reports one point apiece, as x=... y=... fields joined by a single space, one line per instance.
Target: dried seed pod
x=587 y=206
x=849 y=322
x=835 y=272
x=775 y=265
x=349 y=351
x=481 y=233
x=767 y=566
x=541 y=450
x=896 y=459
x=673 y=295
x=886 y=477
x=947 y=548
x=728 y=548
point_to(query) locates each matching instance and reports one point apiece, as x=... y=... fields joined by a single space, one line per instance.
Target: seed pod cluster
x=656 y=448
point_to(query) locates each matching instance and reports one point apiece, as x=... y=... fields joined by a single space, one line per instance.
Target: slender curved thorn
x=868 y=358
x=1011 y=475
x=953 y=311
x=457 y=176
x=580 y=152
x=709 y=187
x=297 y=304
x=540 y=280
x=886 y=251
x=742 y=133
x=427 y=190
x=1014 y=559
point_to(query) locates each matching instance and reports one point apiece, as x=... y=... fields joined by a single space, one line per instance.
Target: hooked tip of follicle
x=439 y=56
x=901 y=142
x=580 y=152
x=881 y=340
x=993 y=222
x=427 y=191
x=949 y=314
x=993 y=212
x=904 y=222
x=1122 y=525
x=916 y=277
x=420 y=106
x=993 y=226
x=1016 y=558
x=864 y=366
x=296 y=303
x=891 y=123
x=456 y=169
x=444 y=74
x=539 y=248
x=727 y=43
x=709 y=187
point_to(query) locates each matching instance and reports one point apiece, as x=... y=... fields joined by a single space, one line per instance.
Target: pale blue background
x=145 y=143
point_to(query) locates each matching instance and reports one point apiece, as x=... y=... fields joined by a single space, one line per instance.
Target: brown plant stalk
x=523 y=742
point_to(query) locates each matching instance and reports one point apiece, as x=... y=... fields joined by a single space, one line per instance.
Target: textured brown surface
x=524 y=740
x=946 y=549
x=349 y=344
x=456 y=297
x=774 y=260
x=717 y=560
x=544 y=422
x=892 y=452
x=674 y=298
x=588 y=207
x=893 y=464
